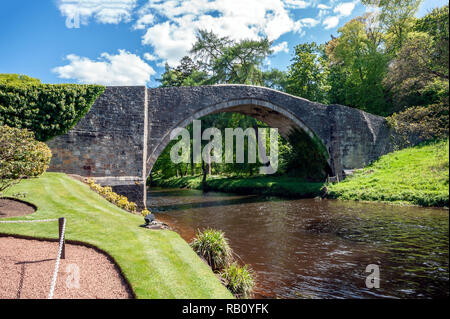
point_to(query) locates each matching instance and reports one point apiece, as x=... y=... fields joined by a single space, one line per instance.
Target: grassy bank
x=158 y=264
x=418 y=175
x=281 y=186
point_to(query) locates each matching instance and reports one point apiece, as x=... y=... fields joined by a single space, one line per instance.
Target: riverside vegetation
x=213 y=247
x=418 y=175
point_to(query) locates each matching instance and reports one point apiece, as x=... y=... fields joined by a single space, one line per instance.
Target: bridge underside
x=127 y=128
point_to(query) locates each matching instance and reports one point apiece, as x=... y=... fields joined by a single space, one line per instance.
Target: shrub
x=213 y=247
x=107 y=192
x=21 y=156
x=239 y=280
x=11 y=78
x=425 y=122
x=145 y=212
x=46 y=109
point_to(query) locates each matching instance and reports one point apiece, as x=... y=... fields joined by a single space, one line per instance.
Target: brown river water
x=311 y=248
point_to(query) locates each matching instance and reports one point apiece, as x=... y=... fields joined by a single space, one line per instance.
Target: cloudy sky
x=127 y=42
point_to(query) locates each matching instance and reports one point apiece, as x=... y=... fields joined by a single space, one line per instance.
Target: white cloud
x=143 y=21
x=103 y=11
x=298 y=4
x=174 y=33
x=323 y=6
x=150 y=57
x=309 y=22
x=330 y=22
x=282 y=47
x=124 y=68
x=344 y=9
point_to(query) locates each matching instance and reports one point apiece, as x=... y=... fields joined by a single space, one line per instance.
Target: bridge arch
x=273 y=115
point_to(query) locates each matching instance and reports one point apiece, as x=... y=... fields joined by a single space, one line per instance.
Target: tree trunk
x=205 y=172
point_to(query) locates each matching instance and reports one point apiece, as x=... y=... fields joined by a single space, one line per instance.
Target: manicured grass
x=157 y=263
x=418 y=175
x=281 y=186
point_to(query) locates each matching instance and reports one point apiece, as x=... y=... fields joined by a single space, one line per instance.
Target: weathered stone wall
x=108 y=143
x=127 y=128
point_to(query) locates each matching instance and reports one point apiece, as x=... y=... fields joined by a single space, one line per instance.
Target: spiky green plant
x=212 y=245
x=239 y=280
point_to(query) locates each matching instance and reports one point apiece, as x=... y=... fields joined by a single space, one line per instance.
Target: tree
x=419 y=73
x=307 y=75
x=21 y=156
x=228 y=61
x=396 y=17
x=185 y=74
x=358 y=64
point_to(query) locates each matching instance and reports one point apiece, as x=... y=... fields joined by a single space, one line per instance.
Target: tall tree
x=307 y=75
x=358 y=64
x=231 y=62
x=397 y=18
x=419 y=74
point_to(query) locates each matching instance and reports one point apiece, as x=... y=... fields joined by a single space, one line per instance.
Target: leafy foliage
x=47 y=110
x=427 y=123
x=419 y=73
x=239 y=280
x=212 y=245
x=15 y=79
x=396 y=18
x=228 y=61
x=308 y=74
x=21 y=156
x=358 y=65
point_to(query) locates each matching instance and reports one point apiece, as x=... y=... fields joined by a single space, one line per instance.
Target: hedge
x=46 y=109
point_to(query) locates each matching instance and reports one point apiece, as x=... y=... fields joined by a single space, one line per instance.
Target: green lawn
x=282 y=186
x=418 y=175
x=158 y=264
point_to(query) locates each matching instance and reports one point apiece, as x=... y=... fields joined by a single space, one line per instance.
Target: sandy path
x=26 y=269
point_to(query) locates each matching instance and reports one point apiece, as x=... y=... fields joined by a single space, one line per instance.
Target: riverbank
x=413 y=176
x=417 y=176
x=280 y=186
x=157 y=264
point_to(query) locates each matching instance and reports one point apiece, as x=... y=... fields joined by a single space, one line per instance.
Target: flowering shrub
x=145 y=212
x=107 y=192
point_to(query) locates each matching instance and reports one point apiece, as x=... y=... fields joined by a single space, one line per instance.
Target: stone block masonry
x=127 y=128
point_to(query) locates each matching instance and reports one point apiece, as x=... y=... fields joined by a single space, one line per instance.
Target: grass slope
x=418 y=175
x=158 y=264
x=281 y=186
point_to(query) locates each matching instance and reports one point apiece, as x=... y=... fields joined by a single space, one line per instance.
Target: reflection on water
x=311 y=248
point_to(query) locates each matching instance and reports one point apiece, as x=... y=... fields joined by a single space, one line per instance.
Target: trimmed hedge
x=46 y=109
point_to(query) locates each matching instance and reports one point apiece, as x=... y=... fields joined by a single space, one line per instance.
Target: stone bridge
x=127 y=128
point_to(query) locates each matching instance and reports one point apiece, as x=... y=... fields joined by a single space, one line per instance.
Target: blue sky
x=127 y=42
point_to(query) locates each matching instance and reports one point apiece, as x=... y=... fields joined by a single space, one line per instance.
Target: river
x=311 y=248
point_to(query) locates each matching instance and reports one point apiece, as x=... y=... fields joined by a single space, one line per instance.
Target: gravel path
x=26 y=268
